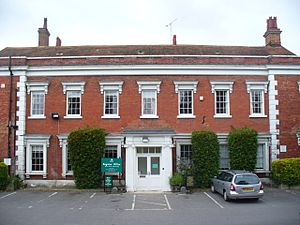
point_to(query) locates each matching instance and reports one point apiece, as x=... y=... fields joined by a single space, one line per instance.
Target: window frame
x=63 y=143
x=73 y=86
x=149 y=86
x=35 y=87
x=185 y=86
x=71 y=115
x=222 y=86
x=143 y=114
x=262 y=87
x=106 y=86
x=36 y=140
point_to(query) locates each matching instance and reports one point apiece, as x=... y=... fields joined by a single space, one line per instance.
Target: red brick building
x=149 y=98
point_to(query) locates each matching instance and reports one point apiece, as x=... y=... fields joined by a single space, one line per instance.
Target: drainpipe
x=10 y=125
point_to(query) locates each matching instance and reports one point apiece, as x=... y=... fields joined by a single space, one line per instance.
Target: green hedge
x=205 y=157
x=4 y=178
x=86 y=147
x=242 y=144
x=286 y=171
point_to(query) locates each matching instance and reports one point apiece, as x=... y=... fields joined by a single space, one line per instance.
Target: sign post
x=110 y=165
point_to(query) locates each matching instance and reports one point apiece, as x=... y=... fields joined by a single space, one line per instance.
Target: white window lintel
x=221 y=85
x=37 y=86
x=73 y=86
x=185 y=85
x=111 y=86
x=149 y=85
x=257 y=85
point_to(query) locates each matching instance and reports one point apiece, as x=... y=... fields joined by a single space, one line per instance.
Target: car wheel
x=225 y=196
x=212 y=188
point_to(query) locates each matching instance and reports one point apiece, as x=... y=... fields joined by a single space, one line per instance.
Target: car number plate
x=247 y=189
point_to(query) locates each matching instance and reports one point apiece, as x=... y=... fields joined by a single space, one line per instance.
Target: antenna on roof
x=170 y=26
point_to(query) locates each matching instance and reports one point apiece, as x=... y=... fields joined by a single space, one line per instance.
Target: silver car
x=234 y=184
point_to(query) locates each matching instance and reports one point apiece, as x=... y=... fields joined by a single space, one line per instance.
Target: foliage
x=177 y=180
x=205 y=157
x=4 y=178
x=242 y=144
x=16 y=182
x=286 y=171
x=86 y=147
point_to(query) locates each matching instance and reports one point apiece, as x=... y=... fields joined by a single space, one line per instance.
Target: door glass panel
x=142 y=165
x=155 y=167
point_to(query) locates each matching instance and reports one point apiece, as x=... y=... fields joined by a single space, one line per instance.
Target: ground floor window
x=36 y=154
x=260 y=162
x=111 y=151
x=186 y=154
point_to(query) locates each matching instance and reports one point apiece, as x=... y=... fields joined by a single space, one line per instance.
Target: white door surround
x=148 y=160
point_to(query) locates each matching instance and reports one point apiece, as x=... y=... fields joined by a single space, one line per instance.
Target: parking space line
x=52 y=194
x=217 y=203
x=8 y=195
x=92 y=196
x=167 y=201
x=133 y=202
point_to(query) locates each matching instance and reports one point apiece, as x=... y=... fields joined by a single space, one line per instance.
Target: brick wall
x=289 y=114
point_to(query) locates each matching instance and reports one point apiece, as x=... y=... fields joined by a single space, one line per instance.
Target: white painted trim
x=257 y=85
x=262 y=95
x=111 y=86
x=73 y=86
x=149 y=85
x=37 y=86
x=221 y=85
x=111 y=116
x=39 y=116
x=298 y=84
x=186 y=85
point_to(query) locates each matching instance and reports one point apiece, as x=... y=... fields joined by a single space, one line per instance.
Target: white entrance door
x=148 y=168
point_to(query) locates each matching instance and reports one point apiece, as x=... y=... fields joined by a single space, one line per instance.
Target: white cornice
x=258 y=85
x=191 y=85
x=149 y=85
x=73 y=86
x=224 y=85
x=111 y=85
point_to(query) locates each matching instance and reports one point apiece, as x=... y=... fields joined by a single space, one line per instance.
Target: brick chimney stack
x=44 y=34
x=174 y=40
x=272 y=35
x=58 y=42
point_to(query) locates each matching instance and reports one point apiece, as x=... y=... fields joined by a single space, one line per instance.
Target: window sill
x=36 y=174
x=258 y=116
x=110 y=117
x=67 y=174
x=223 y=116
x=36 y=117
x=149 y=117
x=73 y=117
x=186 y=117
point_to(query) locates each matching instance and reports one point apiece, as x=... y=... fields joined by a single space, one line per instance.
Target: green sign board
x=111 y=165
x=108 y=181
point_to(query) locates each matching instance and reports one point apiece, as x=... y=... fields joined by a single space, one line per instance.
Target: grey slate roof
x=112 y=50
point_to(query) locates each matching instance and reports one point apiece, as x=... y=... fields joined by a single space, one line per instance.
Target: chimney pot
x=174 y=40
x=58 y=42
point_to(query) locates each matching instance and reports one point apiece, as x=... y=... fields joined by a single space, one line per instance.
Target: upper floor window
x=149 y=91
x=73 y=91
x=38 y=90
x=111 y=151
x=256 y=89
x=111 y=91
x=185 y=91
x=222 y=90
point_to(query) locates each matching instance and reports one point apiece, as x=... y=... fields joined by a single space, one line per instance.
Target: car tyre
x=212 y=188
x=225 y=196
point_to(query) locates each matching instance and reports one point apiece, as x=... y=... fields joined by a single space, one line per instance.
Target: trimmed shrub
x=4 y=178
x=286 y=171
x=242 y=144
x=205 y=157
x=16 y=182
x=86 y=147
x=177 y=180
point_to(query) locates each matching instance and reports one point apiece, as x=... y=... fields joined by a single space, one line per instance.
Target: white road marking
x=217 y=203
x=167 y=201
x=29 y=207
x=153 y=203
x=133 y=202
x=92 y=196
x=8 y=195
x=52 y=194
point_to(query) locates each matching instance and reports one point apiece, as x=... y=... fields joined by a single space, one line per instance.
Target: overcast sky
x=112 y=22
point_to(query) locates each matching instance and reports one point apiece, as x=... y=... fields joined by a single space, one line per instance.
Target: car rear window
x=246 y=179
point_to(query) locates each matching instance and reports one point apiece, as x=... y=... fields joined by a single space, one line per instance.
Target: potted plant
x=176 y=181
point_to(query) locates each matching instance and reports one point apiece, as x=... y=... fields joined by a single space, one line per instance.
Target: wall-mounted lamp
x=145 y=139
x=55 y=115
